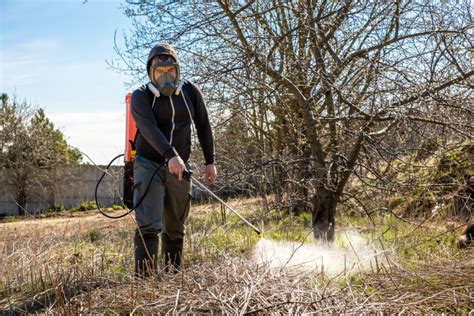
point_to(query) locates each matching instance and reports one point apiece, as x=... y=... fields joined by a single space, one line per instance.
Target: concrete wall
x=66 y=185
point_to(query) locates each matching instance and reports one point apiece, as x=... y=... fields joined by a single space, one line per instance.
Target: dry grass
x=84 y=265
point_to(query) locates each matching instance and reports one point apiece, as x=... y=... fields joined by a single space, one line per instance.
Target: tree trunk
x=323 y=216
x=21 y=199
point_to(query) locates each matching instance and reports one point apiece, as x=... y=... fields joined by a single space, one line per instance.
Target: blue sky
x=53 y=54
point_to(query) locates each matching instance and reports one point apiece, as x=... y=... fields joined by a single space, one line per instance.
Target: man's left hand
x=210 y=174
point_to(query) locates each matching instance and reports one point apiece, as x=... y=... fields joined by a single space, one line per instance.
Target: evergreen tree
x=30 y=145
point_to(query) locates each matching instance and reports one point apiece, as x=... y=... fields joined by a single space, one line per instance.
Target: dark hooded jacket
x=164 y=124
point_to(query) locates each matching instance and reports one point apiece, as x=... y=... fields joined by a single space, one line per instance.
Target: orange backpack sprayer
x=129 y=157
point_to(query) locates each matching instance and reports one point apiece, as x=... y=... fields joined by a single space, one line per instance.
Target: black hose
x=141 y=198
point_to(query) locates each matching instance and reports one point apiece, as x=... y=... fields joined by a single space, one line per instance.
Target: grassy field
x=84 y=264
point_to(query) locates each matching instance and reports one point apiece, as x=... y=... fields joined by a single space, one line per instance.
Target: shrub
x=87 y=206
x=94 y=235
x=116 y=207
x=56 y=209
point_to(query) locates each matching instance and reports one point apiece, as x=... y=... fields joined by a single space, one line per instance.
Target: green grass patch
x=11 y=219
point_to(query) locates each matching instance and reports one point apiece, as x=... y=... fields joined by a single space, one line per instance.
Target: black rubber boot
x=146 y=263
x=172 y=252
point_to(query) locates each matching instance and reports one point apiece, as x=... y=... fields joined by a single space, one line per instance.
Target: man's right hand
x=176 y=166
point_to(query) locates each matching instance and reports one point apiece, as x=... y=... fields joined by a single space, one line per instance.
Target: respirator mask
x=164 y=74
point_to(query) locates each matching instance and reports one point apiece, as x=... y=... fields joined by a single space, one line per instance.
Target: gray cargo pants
x=166 y=206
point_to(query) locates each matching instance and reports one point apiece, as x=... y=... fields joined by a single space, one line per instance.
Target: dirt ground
x=68 y=224
x=65 y=226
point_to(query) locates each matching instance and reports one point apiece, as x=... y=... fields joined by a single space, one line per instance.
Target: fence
x=66 y=185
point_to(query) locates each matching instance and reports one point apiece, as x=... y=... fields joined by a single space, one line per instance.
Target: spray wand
x=188 y=175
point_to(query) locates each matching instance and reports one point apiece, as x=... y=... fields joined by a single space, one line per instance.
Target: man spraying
x=164 y=110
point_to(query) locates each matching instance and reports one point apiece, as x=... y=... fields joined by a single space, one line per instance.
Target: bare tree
x=321 y=84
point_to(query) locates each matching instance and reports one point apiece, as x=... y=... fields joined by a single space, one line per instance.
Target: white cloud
x=99 y=135
x=24 y=78
x=11 y=62
x=40 y=44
